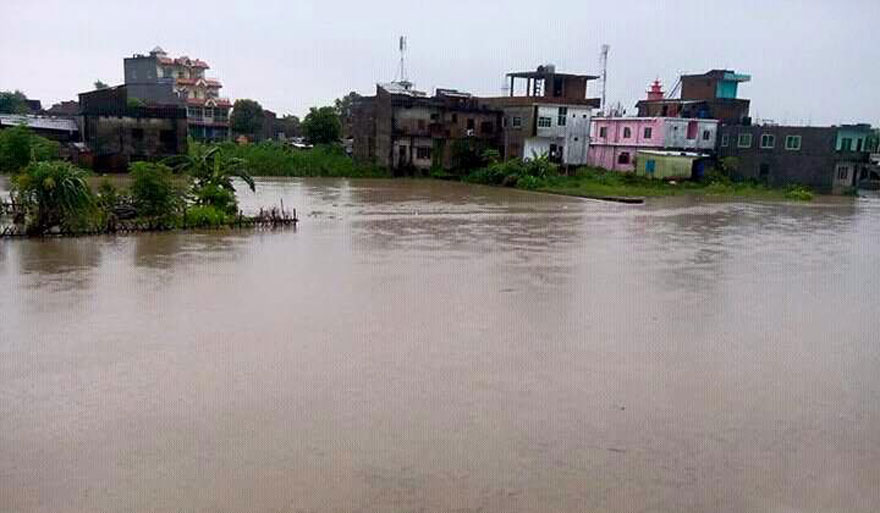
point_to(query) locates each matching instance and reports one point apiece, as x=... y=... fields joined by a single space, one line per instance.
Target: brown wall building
x=119 y=131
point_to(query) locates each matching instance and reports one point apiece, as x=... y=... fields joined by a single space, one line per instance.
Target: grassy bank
x=275 y=159
x=598 y=183
x=541 y=175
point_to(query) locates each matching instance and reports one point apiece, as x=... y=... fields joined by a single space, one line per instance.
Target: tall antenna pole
x=402 y=70
x=605 y=49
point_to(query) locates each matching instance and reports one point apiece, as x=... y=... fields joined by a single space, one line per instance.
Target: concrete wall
x=118 y=140
x=813 y=164
x=664 y=166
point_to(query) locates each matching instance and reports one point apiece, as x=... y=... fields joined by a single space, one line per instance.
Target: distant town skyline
x=811 y=62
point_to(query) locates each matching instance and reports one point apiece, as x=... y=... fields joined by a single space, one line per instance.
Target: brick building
x=404 y=129
x=711 y=95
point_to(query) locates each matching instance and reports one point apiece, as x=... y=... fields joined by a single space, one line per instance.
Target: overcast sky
x=811 y=61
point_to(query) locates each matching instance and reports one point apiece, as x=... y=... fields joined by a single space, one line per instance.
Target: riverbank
x=274 y=159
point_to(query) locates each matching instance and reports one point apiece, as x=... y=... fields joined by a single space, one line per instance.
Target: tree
x=13 y=102
x=100 y=85
x=19 y=146
x=153 y=189
x=344 y=108
x=54 y=194
x=212 y=171
x=321 y=125
x=290 y=125
x=247 y=118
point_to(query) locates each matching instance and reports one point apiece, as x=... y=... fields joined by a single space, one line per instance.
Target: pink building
x=615 y=141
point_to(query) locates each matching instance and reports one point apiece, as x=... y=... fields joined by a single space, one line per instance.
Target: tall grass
x=270 y=158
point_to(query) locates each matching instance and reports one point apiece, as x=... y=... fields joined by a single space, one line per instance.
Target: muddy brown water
x=427 y=346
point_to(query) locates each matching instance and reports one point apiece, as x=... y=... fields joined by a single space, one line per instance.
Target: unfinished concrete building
x=546 y=113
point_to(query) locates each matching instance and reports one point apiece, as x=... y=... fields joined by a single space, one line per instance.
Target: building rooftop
x=40 y=122
x=545 y=71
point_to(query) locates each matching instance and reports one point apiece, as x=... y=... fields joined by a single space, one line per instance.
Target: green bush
x=206 y=216
x=19 y=146
x=799 y=193
x=55 y=194
x=270 y=158
x=218 y=197
x=152 y=189
x=528 y=174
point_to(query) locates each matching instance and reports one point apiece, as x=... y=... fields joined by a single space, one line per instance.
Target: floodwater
x=427 y=346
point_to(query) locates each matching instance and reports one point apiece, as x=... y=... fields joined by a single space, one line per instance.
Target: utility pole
x=604 y=57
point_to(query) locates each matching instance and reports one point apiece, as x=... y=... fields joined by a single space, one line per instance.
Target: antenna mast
x=604 y=56
x=402 y=71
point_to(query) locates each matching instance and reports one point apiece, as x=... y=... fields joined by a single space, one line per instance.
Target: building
x=670 y=164
x=64 y=108
x=61 y=129
x=546 y=112
x=616 y=141
x=120 y=128
x=711 y=95
x=828 y=159
x=207 y=112
x=405 y=130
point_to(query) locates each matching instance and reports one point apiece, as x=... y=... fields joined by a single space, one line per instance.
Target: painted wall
x=617 y=149
x=573 y=137
x=664 y=166
x=859 y=138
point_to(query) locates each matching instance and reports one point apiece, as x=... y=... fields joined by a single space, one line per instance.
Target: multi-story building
x=119 y=127
x=548 y=113
x=207 y=112
x=404 y=129
x=829 y=159
x=711 y=95
x=615 y=141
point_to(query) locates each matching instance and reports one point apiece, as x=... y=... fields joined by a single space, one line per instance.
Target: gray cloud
x=811 y=61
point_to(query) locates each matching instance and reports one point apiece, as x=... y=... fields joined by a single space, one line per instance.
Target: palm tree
x=54 y=194
x=209 y=165
x=212 y=172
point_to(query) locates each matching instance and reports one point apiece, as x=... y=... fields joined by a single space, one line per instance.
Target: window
x=516 y=122
x=194 y=112
x=487 y=127
x=744 y=141
x=768 y=141
x=692 y=130
x=603 y=132
x=423 y=153
x=455 y=118
x=845 y=144
x=435 y=116
x=421 y=124
x=859 y=145
x=707 y=134
x=544 y=122
x=563 y=112
x=471 y=123
x=725 y=140
x=137 y=135
x=623 y=158
x=649 y=132
x=209 y=113
x=627 y=132
x=793 y=142
x=843 y=173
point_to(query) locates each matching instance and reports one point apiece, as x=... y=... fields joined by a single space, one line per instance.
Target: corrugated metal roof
x=40 y=122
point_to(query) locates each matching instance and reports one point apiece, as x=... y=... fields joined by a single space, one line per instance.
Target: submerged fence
x=271 y=218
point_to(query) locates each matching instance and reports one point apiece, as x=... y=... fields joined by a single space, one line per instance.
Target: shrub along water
x=56 y=196
x=271 y=158
x=19 y=146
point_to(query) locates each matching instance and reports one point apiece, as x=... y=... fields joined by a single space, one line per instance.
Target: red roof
x=219 y=102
